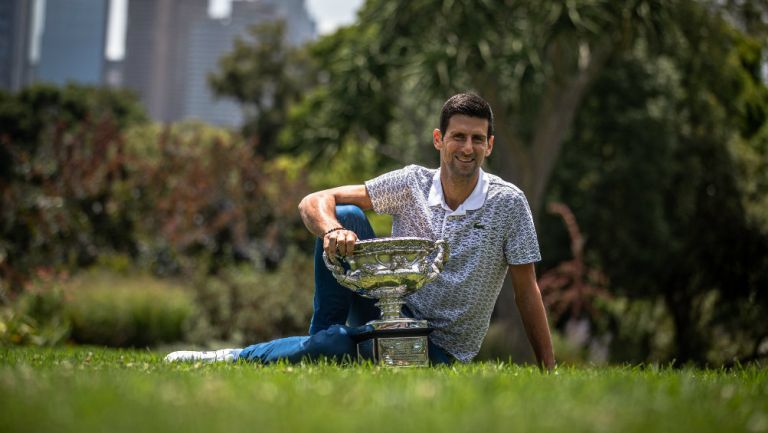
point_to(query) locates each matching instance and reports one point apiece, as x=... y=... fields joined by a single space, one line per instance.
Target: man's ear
x=490 y=146
x=437 y=139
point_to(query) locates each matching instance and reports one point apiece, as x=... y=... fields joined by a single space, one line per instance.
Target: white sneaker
x=223 y=355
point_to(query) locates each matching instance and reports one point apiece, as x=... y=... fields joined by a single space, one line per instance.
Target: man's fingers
x=329 y=245
x=350 y=243
x=341 y=242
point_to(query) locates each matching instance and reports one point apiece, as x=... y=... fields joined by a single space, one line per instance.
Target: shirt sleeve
x=521 y=245
x=391 y=192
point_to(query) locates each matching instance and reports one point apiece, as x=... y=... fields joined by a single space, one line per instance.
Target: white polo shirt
x=492 y=229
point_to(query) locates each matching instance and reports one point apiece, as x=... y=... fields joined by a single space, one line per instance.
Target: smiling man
x=485 y=220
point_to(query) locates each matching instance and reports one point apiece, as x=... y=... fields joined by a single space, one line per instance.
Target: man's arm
x=531 y=307
x=318 y=211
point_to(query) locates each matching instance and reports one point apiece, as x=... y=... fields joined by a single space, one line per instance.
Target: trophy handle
x=347 y=279
x=440 y=258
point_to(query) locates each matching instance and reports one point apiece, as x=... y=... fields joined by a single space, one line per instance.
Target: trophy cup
x=388 y=269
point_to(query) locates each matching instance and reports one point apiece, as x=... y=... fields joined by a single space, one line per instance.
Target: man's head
x=465 y=136
x=467 y=104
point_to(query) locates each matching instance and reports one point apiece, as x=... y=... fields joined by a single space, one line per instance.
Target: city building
x=170 y=48
x=15 y=20
x=173 y=45
x=72 y=46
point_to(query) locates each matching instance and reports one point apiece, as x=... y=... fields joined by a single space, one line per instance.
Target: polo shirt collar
x=473 y=202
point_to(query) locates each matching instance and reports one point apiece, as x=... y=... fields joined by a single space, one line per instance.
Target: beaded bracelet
x=333 y=230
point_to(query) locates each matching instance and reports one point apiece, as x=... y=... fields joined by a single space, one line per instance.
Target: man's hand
x=318 y=211
x=339 y=242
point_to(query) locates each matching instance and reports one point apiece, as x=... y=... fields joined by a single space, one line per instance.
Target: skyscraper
x=72 y=46
x=208 y=40
x=15 y=26
x=151 y=52
x=173 y=45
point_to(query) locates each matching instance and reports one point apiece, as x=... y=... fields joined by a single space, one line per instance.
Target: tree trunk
x=530 y=165
x=688 y=343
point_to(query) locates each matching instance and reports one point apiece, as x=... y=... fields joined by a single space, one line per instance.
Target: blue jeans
x=334 y=305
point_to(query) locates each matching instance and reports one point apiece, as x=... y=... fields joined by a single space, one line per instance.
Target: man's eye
x=478 y=140
x=458 y=137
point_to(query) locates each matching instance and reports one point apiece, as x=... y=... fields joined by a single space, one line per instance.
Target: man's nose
x=466 y=145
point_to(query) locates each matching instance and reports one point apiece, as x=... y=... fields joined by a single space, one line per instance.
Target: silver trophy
x=388 y=269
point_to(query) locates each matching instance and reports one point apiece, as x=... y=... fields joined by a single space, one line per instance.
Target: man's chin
x=464 y=171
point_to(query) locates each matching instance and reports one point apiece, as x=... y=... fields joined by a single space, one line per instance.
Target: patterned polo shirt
x=492 y=229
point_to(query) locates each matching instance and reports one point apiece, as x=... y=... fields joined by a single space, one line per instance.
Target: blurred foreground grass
x=88 y=390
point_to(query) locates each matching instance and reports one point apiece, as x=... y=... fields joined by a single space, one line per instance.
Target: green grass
x=86 y=390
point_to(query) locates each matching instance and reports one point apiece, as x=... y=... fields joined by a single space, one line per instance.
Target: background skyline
x=163 y=50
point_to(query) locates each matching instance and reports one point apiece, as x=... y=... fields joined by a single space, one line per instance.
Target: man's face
x=464 y=147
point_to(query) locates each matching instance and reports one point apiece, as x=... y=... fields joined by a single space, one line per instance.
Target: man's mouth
x=465 y=159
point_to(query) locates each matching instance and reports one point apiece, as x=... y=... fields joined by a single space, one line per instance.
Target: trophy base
x=395 y=347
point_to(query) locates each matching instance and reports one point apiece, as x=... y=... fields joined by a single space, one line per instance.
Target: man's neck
x=457 y=190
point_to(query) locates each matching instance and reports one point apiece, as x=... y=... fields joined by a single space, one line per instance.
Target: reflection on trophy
x=388 y=269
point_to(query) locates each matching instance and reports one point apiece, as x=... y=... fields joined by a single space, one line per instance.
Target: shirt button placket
x=450 y=225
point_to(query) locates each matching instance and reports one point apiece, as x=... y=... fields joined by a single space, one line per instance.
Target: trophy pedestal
x=401 y=343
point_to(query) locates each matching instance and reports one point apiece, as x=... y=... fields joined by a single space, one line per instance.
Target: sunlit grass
x=82 y=390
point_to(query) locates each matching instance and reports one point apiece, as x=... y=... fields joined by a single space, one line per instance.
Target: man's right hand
x=339 y=242
x=318 y=211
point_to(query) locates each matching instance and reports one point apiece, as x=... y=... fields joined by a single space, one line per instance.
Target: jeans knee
x=349 y=214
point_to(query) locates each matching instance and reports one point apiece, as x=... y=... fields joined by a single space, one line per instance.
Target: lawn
x=88 y=390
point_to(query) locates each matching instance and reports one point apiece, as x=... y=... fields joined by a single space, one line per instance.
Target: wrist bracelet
x=333 y=230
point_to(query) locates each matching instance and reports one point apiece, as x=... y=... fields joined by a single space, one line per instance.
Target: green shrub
x=17 y=328
x=243 y=304
x=119 y=311
x=36 y=316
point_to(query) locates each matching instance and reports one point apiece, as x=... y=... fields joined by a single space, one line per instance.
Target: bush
x=122 y=311
x=36 y=317
x=18 y=328
x=245 y=305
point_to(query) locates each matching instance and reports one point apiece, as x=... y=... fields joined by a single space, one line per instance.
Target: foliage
x=669 y=190
x=19 y=328
x=83 y=183
x=243 y=305
x=61 y=154
x=208 y=200
x=98 y=307
x=111 y=310
x=571 y=289
x=92 y=389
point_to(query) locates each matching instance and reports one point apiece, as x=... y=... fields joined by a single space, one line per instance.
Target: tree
x=266 y=76
x=668 y=185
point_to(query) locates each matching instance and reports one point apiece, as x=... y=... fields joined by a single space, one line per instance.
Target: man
x=485 y=220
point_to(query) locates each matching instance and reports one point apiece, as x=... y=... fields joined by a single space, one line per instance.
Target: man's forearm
x=534 y=319
x=318 y=211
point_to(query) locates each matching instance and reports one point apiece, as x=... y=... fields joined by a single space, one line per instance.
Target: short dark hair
x=468 y=104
